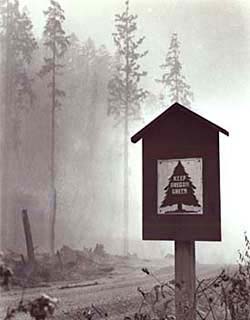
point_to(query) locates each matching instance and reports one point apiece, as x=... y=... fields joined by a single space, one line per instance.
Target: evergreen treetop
x=57 y=42
x=18 y=45
x=55 y=37
x=125 y=93
x=173 y=81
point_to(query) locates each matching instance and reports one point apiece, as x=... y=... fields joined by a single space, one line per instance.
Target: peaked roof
x=176 y=107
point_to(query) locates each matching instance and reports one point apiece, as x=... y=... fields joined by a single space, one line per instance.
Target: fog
x=215 y=52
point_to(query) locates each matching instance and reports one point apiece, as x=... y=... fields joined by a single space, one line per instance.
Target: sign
x=180 y=189
x=181 y=177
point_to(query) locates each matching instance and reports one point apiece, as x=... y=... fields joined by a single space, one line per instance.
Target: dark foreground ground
x=116 y=293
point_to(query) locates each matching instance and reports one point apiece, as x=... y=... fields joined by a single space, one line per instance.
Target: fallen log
x=78 y=285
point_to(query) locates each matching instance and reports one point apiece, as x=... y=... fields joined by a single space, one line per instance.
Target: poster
x=180 y=186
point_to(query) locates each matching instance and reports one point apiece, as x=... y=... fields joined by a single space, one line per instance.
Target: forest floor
x=114 y=293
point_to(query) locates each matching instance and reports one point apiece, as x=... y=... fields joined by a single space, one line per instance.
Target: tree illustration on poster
x=180 y=190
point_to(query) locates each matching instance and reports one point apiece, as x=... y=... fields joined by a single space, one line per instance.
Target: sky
x=215 y=52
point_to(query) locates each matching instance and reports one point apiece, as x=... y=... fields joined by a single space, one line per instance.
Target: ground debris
x=39 y=308
x=66 y=264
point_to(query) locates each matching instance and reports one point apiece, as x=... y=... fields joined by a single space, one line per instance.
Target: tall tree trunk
x=125 y=187
x=52 y=160
x=92 y=130
x=6 y=126
x=125 y=173
x=53 y=221
x=4 y=143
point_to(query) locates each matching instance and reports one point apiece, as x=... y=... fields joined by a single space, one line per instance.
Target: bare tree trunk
x=52 y=154
x=7 y=82
x=52 y=160
x=28 y=237
x=5 y=143
x=125 y=186
x=53 y=221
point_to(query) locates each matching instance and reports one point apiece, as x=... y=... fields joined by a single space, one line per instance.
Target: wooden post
x=28 y=237
x=23 y=260
x=58 y=254
x=185 y=280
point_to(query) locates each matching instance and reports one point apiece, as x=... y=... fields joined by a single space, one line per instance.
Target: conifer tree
x=125 y=93
x=25 y=44
x=56 y=42
x=17 y=48
x=18 y=45
x=173 y=81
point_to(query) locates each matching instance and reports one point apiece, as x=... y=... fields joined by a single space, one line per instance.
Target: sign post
x=181 y=191
x=185 y=280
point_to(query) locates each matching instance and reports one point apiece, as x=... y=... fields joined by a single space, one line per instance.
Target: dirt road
x=116 y=294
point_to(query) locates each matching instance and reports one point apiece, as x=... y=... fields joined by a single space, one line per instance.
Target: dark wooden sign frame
x=179 y=133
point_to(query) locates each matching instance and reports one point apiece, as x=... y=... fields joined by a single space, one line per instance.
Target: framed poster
x=180 y=186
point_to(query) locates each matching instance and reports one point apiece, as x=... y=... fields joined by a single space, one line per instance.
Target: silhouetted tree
x=180 y=190
x=18 y=44
x=56 y=41
x=173 y=81
x=125 y=94
x=17 y=47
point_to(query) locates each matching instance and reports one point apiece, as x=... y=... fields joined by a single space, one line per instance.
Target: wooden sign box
x=181 y=177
